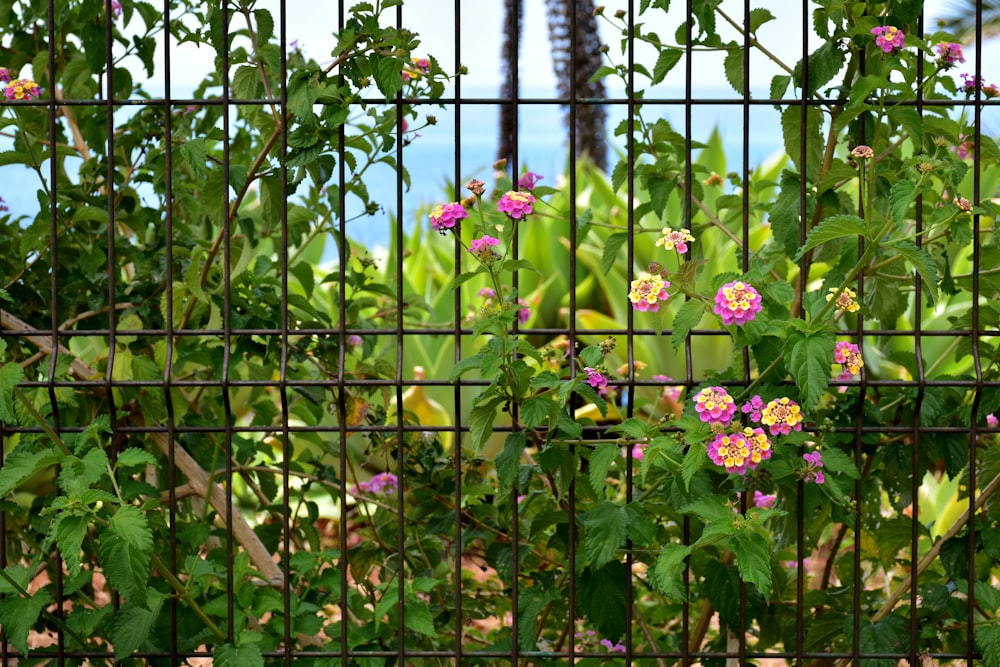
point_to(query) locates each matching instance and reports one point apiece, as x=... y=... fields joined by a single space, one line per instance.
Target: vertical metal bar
x=168 y=365
x=686 y=649
x=573 y=101
x=400 y=345
x=515 y=93
x=457 y=338
x=227 y=326
x=286 y=445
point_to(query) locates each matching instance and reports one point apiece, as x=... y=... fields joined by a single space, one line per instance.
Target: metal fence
x=140 y=302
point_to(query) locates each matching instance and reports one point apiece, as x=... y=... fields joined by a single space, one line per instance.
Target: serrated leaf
x=508 y=460
x=900 y=197
x=794 y=134
x=69 y=531
x=824 y=63
x=133 y=457
x=20 y=465
x=532 y=602
x=922 y=263
x=809 y=360
x=600 y=462
x=779 y=84
x=758 y=17
x=18 y=615
x=126 y=545
x=227 y=655
x=694 y=460
x=481 y=421
x=534 y=411
x=753 y=559
x=10 y=374
x=834 y=227
x=665 y=62
x=607 y=526
x=610 y=255
x=686 y=319
x=669 y=571
x=733 y=66
x=710 y=508
x=988 y=643
x=464 y=365
x=601 y=599
x=417 y=618
x=133 y=624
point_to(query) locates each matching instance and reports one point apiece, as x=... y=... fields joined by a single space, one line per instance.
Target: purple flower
x=3 y=207
x=671 y=393
x=888 y=38
x=383 y=483
x=483 y=248
x=949 y=54
x=614 y=648
x=116 y=8
x=991 y=419
x=737 y=303
x=753 y=408
x=814 y=461
x=354 y=340
x=524 y=312
x=594 y=378
x=5 y=76
x=715 y=405
x=528 y=180
x=447 y=216
x=487 y=293
x=516 y=205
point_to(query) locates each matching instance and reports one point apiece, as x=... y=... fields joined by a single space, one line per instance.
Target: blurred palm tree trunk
x=574 y=61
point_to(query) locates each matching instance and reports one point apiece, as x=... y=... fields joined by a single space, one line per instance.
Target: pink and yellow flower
x=845 y=299
x=715 y=405
x=849 y=356
x=949 y=53
x=888 y=38
x=22 y=90
x=647 y=292
x=781 y=416
x=447 y=216
x=595 y=378
x=740 y=451
x=678 y=239
x=483 y=248
x=737 y=303
x=516 y=205
x=528 y=180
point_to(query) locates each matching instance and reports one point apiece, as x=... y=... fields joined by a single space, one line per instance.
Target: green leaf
x=514 y=265
x=831 y=228
x=68 y=531
x=247 y=655
x=988 y=643
x=195 y=153
x=18 y=615
x=10 y=374
x=759 y=17
x=607 y=526
x=389 y=76
x=417 y=618
x=669 y=571
x=464 y=365
x=836 y=461
x=600 y=597
x=733 y=65
x=753 y=558
x=20 y=465
x=508 y=461
x=481 y=422
x=923 y=264
x=710 y=508
x=126 y=546
x=794 y=133
x=600 y=462
x=534 y=411
x=824 y=63
x=864 y=87
x=779 y=84
x=809 y=360
x=665 y=62
x=133 y=624
x=133 y=457
x=612 y=246
x=531 y=604
x=694 y=460
x=900 y=197
x=686 y=319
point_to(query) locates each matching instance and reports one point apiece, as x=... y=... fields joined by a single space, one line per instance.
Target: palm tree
x=574 y=61
x=962 y=19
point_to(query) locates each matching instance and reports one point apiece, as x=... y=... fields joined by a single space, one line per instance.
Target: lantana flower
x=970 y=85
x=595 y=378
x=849 y=356
x=740 y=451
x=862 y=152
x=715 y=405
x=116 y=8
x=781 y=416
x=516 y=205
x=814 y=463
x=22 y=90
x=992 y=421
x=3 y=205
x=528 y=180
x=447 y=216
x=760 y=499
x=671 y=393
x=383 y=483
x=483 y=248
x=416 y=68
x=737 y=303
x=949 y=53
x=845 y=300
x=675 y=239
x=647 y=292
x=523 y=311
x=888 y=38
x=5 y=75
x=753 y=408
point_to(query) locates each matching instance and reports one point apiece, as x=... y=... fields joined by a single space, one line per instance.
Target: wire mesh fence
x=268 y=399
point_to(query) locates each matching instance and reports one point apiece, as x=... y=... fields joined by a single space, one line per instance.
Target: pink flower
x=753 y=408
x=740 y=451
x=487 y=293
x=848 y=355
x=647 y=291
x=764 y=502
x=814 y=461
x=3 y=205
x=22 y=90
x=675 y=239
x=516 y=205
x=383 y=483
x=992 y=421
x=116 y=8
x=5 y=76
x=594 y=378
x=888 y=38
x=639 y=450
x=614 y=648
x=949 y=54
x=524 y=312
x=715 y=405
x=781 y=416
x=737 y=303
x=354 y=340
x=528 y=180
x=670 y=393
x=447 y=216
x=483 y=248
